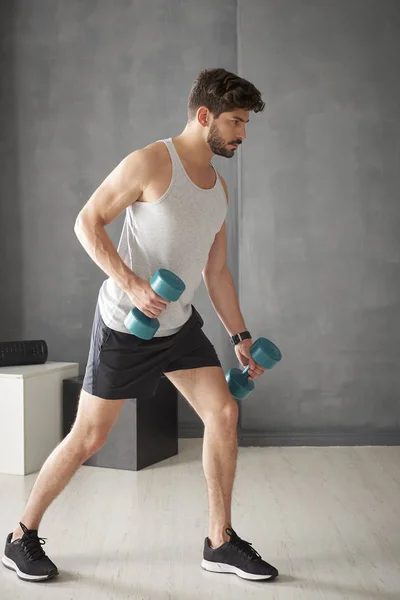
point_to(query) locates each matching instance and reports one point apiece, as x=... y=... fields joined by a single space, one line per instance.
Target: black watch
x=238 y=337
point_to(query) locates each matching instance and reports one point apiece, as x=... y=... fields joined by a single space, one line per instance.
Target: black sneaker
x=27 y=557
x=236 y=556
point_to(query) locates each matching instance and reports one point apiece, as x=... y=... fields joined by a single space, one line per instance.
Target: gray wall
x=312 y=237
x=86 y=83
x=319 y=261
x=10 y=221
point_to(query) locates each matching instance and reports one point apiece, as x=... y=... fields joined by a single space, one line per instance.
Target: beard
x=217 y=144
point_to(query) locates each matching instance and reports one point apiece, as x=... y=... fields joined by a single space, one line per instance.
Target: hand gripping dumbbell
x=265 y=354
x=167 y=285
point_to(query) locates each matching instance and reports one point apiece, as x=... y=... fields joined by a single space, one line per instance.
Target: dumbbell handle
x=244 y=375
x=168 y=286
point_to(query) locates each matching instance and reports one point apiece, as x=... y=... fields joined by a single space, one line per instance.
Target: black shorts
x=121 y=365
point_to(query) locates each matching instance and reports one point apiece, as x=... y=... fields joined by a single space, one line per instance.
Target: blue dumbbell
x=167 y=285
x=265 y=354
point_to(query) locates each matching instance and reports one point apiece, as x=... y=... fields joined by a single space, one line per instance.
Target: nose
x=242 y=133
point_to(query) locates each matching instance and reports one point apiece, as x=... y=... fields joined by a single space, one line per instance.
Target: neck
x=194 y=147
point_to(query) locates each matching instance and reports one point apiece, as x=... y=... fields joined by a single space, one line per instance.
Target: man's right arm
x=122 y=187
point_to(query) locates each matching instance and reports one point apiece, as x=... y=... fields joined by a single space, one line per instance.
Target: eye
x=235 y=121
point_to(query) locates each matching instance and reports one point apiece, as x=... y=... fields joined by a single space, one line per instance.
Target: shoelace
x=32 y=544
x=243 y=546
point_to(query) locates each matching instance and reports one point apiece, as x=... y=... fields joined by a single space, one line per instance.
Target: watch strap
x=238 y=337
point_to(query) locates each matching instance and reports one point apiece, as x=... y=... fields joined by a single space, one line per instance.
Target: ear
x=203 y=116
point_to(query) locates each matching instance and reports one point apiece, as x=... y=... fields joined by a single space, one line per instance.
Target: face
x=227 y=132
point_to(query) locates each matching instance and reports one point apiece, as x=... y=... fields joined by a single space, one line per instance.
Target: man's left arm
x=223 y=295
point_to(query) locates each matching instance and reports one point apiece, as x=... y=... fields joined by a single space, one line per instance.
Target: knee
x=225 y=417
x=94 y=443
x=88 y=442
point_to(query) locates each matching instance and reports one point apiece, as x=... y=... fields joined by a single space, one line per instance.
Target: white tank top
x=176 y=233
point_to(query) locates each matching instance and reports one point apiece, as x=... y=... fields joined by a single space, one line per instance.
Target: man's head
x=220 y=102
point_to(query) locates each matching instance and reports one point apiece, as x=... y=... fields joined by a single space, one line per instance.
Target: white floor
x=327 y=518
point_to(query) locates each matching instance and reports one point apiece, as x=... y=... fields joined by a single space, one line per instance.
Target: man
x=175 y=206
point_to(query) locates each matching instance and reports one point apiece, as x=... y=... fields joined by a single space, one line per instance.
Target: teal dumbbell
x=167 y=285
x=265 y=354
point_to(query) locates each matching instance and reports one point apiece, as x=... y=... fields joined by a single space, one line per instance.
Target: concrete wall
x=319 y=260
x=86 y=83
x=314 y=233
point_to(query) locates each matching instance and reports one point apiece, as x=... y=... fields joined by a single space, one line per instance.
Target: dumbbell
x=265 y=354
x=167 y=285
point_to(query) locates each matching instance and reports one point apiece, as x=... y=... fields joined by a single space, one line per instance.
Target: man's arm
x=121 y=188
x=220 y=285
x=223 y=295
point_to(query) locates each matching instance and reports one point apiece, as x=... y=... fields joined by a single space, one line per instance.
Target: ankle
x=17 y=534
x=219 y=536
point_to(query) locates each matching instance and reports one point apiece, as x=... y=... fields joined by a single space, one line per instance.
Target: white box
x=31 y=414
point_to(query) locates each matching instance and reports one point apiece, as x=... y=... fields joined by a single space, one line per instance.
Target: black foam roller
x=29 y=352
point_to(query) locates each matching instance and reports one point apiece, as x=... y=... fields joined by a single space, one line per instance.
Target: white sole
x=224 y=568
x=10 y=564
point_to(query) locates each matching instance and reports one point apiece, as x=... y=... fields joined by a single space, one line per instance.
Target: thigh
x=192 y=349
x=205 y=389
x=96 y=414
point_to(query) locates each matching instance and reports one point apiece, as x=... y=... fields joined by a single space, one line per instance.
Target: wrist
x=236 y=327
x=236 y=338
x=130 y=280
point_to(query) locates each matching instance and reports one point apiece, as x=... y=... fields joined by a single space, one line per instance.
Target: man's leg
x=95 y=419
x=206 y=390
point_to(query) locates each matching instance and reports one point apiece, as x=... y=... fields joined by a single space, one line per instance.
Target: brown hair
x=221 y=91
